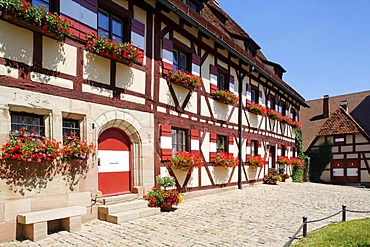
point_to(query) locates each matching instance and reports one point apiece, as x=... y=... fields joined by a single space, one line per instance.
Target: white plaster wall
x=360 y=138
x=204 y=109
x=16 y=43
x=51 y=80
x=96 y=68
x=8 y=71
x=363 y=148
x=194 y=181
x=122 y=3
x=181 y=38
x=130 y=78
x=59 y=56
x=164 y=93
x=205 y=179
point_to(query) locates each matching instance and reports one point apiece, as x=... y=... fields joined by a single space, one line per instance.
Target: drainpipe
x=240 y=125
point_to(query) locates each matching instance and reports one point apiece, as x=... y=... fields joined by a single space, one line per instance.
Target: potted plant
x=286 y=120
x=122 y=52
x=225 y=160
x=257 y=109
x=272 y=177
x=225 y=96
x=296 y=124
x=184 y=160
x=272 y=114
x=35 y=17
x=282 y=160
x=296 y=162
x=165 y=199
x=184 y=79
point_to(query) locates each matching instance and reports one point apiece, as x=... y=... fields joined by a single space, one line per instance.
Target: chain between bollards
x=344 y=212
x=304 y=226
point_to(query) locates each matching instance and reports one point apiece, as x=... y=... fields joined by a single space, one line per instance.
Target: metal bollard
x=304 y=226
x=344 y=212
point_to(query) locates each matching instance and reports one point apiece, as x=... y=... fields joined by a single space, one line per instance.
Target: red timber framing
x=193 y=110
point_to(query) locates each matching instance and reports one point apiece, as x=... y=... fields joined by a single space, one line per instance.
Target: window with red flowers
x=49 y=5
x=111 y=26
x=31 y=123
x=71 y=128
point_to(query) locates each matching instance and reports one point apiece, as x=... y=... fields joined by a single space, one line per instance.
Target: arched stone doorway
x=127 y=124
x=114 y=162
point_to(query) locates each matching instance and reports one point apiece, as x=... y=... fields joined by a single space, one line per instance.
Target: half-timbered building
x=132 y=111
x=343 y=121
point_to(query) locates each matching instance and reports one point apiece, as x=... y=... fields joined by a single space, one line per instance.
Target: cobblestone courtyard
x=258 y=215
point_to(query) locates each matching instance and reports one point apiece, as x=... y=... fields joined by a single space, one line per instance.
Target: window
x=179 y=140
x=31 y=122
x=221 y=82
x=294 y=115
x=283 y=108
x=254 y=148
x=179 y=61
x=254 y=94
x=71 y=128
x=339 y=139
x=222 y=143
x=282 y=150
x=194 y=5
x=110 y=26
x=272 y=102
x=49 y=5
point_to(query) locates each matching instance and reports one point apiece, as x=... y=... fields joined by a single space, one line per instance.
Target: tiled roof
x=339 y=122
x=212 y=17
x=312 y=119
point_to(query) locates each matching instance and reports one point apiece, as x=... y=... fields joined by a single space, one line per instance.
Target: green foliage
x=298 y=171
x=166 y=181
x=319 y=159
x=350 y=233
x=37 y=16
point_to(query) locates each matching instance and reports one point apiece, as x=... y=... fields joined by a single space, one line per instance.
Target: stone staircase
x=118 y=209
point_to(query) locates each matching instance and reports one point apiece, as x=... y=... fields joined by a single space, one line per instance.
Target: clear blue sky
x=324 y=45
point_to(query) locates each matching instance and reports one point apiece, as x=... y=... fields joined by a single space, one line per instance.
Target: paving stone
x=262 y=215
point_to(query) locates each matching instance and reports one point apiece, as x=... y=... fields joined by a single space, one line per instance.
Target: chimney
x=344 y=105
x=325 y=107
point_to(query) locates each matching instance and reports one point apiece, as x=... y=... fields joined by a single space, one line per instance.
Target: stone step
x=117 y=199
x=120 y=217
x=122 y=207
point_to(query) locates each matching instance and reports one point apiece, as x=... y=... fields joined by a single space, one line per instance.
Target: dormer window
x=194 y=5
x=251 y=47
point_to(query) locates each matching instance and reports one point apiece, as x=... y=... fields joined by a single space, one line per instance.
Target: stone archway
x=131 y=127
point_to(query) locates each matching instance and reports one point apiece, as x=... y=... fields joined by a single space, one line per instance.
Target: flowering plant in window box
x=296 y=124
x=184 y=78
x=30 y=16
x=225 y=160
x=76 y=149
x=282 y=160
x=225 y=96
x=30 y=148
x=256 y=161
x=273 y=114
x=286 y=120
x=257 y=109
x=184 y=160
x=296 y=162
x=123 y=52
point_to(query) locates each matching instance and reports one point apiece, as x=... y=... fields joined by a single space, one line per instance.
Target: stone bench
x=35 y=224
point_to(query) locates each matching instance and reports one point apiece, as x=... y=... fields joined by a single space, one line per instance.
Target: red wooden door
x=337 y=171
x=352 y=171
x=114 y=156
